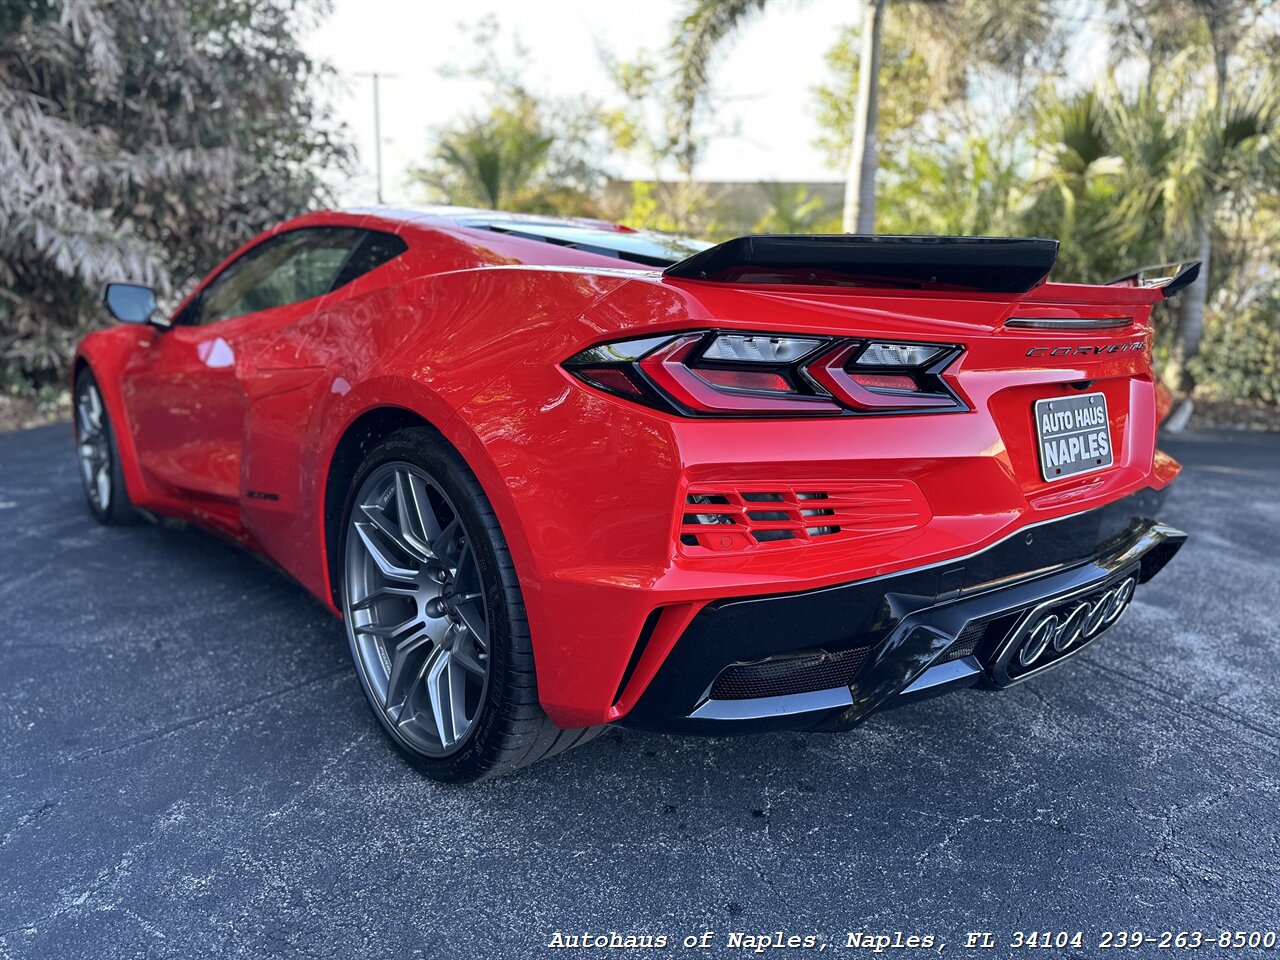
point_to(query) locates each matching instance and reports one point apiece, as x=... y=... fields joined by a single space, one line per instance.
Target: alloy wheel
x=415 y=609
x=93 y=446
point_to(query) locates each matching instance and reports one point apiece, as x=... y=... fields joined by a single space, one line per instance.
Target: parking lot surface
x=189 y=770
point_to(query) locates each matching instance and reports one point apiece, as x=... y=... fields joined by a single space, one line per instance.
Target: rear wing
x=1169 y=278
x=959 y=264
x=942 y=264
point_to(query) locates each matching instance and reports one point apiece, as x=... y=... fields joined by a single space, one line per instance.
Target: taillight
x=678 y=370
x=878 y=386
x=715 y=373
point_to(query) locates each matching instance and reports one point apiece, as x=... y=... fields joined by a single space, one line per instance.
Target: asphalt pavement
x=187 y=769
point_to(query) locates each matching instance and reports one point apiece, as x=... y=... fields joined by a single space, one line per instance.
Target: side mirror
x=131 y=302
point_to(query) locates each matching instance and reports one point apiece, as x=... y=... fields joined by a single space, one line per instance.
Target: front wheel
x=98 y=456
x=435 y=617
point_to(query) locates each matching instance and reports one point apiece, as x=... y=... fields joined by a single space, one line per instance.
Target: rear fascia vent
x=786 y=676
x=736 y=517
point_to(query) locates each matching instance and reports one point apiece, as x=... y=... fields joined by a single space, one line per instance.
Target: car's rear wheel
x=98 y=455
x=435 y=617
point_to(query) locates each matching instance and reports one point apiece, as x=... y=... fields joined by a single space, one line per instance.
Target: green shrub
x=1240 y=355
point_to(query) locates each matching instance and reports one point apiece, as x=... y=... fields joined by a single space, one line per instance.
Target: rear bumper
x=830 y=657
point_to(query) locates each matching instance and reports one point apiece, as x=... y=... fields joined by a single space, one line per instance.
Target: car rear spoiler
x=960 y=264
x=1169 y=278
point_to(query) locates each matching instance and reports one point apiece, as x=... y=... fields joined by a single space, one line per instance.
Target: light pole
x=377 y=124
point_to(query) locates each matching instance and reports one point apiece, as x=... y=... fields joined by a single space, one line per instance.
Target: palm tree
x=792 y=209
x=860 y=177
x=489 y=161
x=1128 y=179
x=1232 y=127
x=1220 y=155
x=1222 y=148
x=710 y=23
x=1075 y=187
x=954 y=35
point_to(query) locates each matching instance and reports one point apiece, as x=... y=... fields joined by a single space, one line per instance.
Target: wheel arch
x=361 y=436
x=104 y=353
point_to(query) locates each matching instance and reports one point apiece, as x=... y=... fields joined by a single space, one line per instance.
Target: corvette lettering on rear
x=1088 y=349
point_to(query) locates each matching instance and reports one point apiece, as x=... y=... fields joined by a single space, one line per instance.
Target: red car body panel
x=235 y=425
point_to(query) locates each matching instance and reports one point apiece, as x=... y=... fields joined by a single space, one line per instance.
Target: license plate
x=1074 y=435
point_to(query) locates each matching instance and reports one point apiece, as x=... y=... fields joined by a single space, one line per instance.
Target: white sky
x=766 y=74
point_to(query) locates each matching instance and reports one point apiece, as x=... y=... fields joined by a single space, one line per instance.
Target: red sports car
x=556 y=474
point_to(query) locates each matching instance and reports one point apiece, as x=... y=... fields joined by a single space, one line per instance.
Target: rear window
x=645 y=247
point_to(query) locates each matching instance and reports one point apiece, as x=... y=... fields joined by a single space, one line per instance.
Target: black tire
x=98 y=456
x=510 y=729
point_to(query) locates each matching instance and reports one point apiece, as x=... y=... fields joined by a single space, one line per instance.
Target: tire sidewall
x=446 y=468
x=118 y=508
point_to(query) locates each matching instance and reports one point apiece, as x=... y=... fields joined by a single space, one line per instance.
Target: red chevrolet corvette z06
x=557 y=474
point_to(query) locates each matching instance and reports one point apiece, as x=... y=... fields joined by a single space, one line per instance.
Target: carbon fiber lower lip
x=908 y=630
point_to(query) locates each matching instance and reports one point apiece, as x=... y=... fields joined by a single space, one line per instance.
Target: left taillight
x=719 y=373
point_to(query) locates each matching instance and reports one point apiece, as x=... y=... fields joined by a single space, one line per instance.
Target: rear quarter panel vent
x=716 y=518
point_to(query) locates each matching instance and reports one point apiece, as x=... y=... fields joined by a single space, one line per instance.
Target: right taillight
x=878 y=377
x=717 y=373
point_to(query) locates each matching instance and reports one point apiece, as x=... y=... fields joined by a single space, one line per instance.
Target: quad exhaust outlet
x=1071 y=625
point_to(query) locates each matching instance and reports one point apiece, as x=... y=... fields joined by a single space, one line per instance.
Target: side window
x=375 y=249
x=288 y=268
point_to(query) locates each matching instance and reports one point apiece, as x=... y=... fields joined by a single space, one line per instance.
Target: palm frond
x=700 y=35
